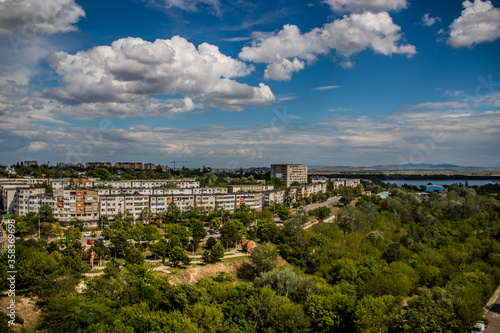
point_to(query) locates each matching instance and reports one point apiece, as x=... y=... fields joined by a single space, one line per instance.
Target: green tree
x=133 y=256
x=244 y=215
x=289 y=198
x=215 y=223
x=209 y=318
x=112 y=268
x=378 y=314
x=119 y=241
x=211 y=241
x=286 y=283
x=267 y=230
x=347 y=196
x=277 y=182
x=128 y=218
x=177 y=255
x=101 y=173
x=264 y=258
x=178 y=232
x=56 y=229
x=197 y=230
x=216 y=253
x=146 y=215
x=292 y=226
x=269 y=312
x=432 y=311
x=160 y=249
x=173 y=213
x=45 y=214
x=150 y=233
x=72 y=234
x=230 y=234
x=76 y=223
x=331 y=313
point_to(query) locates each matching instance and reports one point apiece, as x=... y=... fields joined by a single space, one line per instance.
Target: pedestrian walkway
x=492 y=313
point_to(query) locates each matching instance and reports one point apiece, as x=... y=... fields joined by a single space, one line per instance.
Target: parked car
x=479 y=327
x=87 y=234
x=90 y=242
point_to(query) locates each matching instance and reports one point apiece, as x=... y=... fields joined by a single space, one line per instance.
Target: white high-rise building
x=289 y=173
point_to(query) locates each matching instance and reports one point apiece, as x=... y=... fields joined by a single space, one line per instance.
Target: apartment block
x=163 y=191
x=345 y=182
x=149 y=166
x=25 y=181
x=34 y=202
x=251 y=200
x=250 y=188
x=225 y=201
x=159 y=203
x=110 y=205
x=209 y=190
x=289 y=173
x=206 y=201
x=137 y=184
x=275 y=196
x=305 y=191
x=81 y=204
x=98 y=165
x=67 y=183
x=129 y=165
x=9 y=196
x=27 y=200
x=30 y=163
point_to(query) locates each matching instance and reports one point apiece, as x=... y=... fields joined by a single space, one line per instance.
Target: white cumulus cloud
x=479 y=23
x=189 y=5
x=132 y=68
x=28 y=17
x=282 y=70
x=347 y=36
x=359 y=6
x=36 y=146
x=429 y=21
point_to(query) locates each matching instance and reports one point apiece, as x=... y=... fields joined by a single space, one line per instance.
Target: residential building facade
x=250 y=188
x=289 y=173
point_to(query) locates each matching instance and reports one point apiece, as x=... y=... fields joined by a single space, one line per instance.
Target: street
x=328 y=202
x=493 y=314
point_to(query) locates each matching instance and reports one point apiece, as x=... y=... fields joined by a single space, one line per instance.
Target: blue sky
x=249 y=83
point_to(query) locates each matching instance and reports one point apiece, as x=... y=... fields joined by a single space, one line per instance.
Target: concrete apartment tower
x=289 y=173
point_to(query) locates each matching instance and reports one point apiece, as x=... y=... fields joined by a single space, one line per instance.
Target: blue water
x=419 y=183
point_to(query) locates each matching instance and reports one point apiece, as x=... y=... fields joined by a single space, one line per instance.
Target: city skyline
x=242 y=84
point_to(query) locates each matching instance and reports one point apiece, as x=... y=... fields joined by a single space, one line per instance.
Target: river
x=419 y=183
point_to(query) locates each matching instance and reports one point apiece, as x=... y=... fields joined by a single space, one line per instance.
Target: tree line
x=402 y=264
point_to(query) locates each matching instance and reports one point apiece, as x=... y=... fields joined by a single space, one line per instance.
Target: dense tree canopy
x=401 y=264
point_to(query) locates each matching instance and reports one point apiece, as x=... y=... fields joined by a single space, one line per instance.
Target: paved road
x=493 y=314
x=329 y=202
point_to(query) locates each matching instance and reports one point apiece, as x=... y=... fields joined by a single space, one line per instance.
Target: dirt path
x=26 y=309
x=193 y=274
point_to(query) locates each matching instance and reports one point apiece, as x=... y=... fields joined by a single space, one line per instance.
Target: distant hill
x=408 y=167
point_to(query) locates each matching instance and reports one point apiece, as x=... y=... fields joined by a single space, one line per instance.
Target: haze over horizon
x=240 y=84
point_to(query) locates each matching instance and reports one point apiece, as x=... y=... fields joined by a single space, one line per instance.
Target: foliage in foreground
x=404 y=264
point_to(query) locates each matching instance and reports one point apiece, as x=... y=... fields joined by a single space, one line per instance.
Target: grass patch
x=234 y=259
